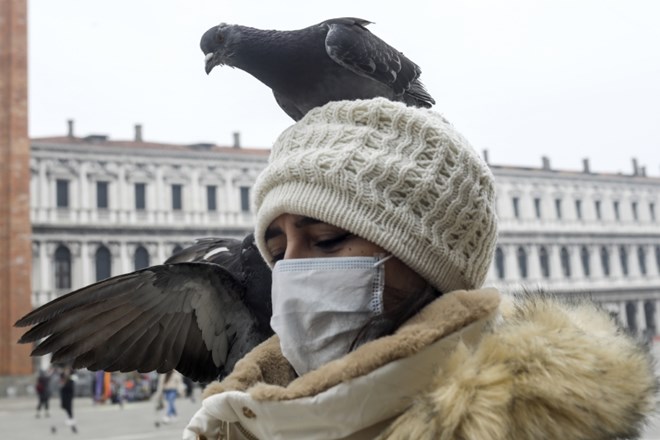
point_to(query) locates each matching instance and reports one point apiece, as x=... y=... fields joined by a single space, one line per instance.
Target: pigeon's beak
x=210 y=61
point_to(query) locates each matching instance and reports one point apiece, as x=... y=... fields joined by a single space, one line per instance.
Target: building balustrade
x=573 y=227
x=132 y=218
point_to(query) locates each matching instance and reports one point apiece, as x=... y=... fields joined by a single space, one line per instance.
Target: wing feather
x=180 y=315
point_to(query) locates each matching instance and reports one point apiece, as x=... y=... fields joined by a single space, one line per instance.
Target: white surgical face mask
x=321 y=304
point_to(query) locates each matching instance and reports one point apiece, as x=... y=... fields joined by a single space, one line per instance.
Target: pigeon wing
x=205 y=249
x=350 y=44
x=187 y=316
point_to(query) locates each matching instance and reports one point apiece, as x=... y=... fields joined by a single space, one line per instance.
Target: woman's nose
x=292 y=252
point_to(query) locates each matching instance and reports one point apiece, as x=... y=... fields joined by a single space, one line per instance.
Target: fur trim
x=551 y=370
x=264 y=363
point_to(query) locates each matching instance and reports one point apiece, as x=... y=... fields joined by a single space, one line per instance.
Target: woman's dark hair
x=168 y=375
x=406 y=306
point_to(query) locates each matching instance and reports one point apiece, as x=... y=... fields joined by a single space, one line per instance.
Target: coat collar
x=356 y=396
x=268 y=376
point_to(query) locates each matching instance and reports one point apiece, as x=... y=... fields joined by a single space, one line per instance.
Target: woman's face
x=295 y=236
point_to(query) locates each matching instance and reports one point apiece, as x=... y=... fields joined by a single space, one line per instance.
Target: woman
x=379 y=221
x=170 y=386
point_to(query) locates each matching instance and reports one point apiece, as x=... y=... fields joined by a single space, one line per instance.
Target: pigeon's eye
x=219 y=38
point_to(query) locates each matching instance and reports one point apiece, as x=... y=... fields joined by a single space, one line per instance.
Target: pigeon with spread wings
x=198 y=313
x=334 y=60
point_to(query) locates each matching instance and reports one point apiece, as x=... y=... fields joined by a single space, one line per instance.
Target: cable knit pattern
x=400 y=177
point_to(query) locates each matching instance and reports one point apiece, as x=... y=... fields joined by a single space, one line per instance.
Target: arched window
x=543 y=260
x=499 y=263
x=605 y=261
x=103 y=263
x=141 y=258
x=565 y=262
x=62 y=267
x=641 y=257
x=623 y=255
x=631 y=314
x=522 y=262
x=584 y=256
x=649 y=315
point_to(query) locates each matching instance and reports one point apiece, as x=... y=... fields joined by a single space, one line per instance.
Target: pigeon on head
x=338 y=59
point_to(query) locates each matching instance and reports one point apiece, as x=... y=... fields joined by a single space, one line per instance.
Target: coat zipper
x=248 y=435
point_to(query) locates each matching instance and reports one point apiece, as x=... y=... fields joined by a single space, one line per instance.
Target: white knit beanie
x=400 y=177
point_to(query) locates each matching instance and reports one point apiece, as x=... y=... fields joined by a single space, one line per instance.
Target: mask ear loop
x=383 y=260
x=378 y=286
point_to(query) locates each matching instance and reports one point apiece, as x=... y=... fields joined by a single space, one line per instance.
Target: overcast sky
x=564 y=78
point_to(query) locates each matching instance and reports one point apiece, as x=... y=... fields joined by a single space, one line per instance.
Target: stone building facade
x=582 y=233
x=101 y=208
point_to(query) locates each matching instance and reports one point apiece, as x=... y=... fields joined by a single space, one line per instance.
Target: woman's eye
x=332 y=242
x=277 y=257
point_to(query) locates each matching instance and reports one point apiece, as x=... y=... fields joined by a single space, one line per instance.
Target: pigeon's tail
x=417 y=96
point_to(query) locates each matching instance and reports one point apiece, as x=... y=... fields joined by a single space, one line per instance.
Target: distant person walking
x=170 y=385
x=67 y=389
x=190 y=388
x=43 y=391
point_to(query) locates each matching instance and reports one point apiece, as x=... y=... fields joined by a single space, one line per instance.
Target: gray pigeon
x=198 y=313
x=334 y=60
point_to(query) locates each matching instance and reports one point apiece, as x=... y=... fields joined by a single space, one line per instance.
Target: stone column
x=596 y=263
x=634 y=271
x=15 y=226
x=556 y=269
x=121 y=202
x=511 y=272
x=85 y=201
x=230 y=192
x=533 y=264
x=197 y=203
x=157 y=203
x=127 y=256
x=76 y=265
x=86 y=263
x=116 y=251
x=616 y=271
x=641 y=317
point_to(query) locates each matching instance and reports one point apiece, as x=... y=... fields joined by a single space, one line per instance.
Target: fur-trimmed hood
x=467 y=367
